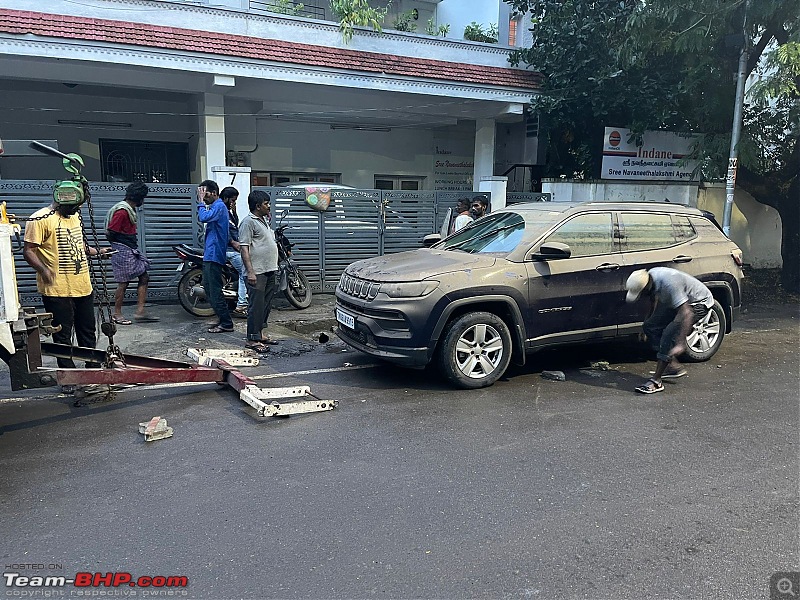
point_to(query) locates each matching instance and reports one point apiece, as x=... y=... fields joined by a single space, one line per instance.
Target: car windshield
x=499 y=232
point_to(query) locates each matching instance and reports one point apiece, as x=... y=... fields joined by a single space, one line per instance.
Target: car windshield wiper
x=484 y=235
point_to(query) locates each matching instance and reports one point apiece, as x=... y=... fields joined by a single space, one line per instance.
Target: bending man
x=678 y=302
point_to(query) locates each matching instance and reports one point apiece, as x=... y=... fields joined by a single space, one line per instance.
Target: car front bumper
x=396 y=330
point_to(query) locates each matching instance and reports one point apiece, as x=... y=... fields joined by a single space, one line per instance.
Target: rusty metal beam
x=99 y=356
x=142 y=376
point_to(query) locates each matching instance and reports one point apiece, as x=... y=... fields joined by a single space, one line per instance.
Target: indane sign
x=658 y=158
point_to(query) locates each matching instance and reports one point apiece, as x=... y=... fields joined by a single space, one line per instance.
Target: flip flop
x=269 y=341
x=219 y=329
x=121 y=321
x=257 y=347
x=146 y=319
x=672 y=374
x=650 y=387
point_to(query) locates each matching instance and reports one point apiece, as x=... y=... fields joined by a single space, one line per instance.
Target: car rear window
x=646 y=231
x=683 y=228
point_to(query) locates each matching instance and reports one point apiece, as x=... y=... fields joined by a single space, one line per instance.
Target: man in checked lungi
x=128 y=262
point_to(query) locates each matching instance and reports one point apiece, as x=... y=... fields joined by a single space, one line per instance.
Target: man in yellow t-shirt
x=55 y=248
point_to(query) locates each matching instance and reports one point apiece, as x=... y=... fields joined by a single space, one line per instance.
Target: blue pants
x=212 y=282
x=236 y=260
x=662 y=330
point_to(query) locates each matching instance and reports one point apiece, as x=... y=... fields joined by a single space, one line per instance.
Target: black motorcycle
x=291 y=280
x=192 y=295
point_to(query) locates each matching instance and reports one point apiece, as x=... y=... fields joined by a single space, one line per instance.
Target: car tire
x=475 y=350
x=705 y=338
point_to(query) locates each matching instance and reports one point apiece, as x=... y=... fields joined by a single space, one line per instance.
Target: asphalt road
x=528 y=489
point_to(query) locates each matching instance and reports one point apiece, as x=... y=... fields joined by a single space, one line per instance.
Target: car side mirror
x=431 y=239
x=552 y=251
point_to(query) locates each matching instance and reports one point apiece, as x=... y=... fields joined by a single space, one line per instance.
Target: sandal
x=146 y=319
x=257 y=347
x=239 y=312
x=121 y=321
x=674 y=373
x=219 y=329
x=269 y=341
x=650 y=387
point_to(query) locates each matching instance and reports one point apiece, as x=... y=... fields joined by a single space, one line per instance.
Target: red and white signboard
x=659 y=158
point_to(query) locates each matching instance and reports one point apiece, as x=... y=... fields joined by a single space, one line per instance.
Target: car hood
x=416 y=265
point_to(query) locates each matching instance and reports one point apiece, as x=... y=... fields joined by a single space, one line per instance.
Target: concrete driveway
x=409 y=489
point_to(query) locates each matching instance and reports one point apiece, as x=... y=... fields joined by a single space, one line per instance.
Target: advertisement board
x=659 y=158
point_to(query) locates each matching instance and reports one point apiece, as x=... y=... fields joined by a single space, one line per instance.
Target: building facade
x=174 y=92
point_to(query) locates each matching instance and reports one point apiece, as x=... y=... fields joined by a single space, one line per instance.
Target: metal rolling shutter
x=168 y=216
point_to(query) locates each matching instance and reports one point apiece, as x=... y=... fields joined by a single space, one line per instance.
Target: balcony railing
x=310 y=9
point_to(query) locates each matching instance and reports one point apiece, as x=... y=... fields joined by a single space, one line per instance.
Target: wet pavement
x=531 y=488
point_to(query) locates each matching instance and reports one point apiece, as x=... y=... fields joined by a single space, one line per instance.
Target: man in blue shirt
x=229 y=196
x=212 y=211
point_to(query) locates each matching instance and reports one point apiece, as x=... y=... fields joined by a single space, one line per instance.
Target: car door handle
x=607 y=267
x=682 y=258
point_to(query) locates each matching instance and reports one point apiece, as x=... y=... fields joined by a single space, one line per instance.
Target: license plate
x=345 y=319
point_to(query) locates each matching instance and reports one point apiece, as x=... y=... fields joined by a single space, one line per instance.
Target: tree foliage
x=671 y=65
x=352 y=13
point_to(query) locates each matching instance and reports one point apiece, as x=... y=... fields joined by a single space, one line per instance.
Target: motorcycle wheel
x=298 y=290
x=189 y=301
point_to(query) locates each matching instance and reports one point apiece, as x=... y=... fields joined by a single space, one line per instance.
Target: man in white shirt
x=260 y=256
x=464 y=217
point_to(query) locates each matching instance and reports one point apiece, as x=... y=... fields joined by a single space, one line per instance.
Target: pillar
x=211 y=149
x=484 y=151
x=497 y=186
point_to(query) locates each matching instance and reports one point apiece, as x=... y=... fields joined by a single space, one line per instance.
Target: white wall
x=357 y=155
x=619 y=191
x=755 y=227
x=460 y=13
x=32 y=112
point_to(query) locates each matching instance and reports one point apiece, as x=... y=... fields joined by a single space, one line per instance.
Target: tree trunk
x=789 y=209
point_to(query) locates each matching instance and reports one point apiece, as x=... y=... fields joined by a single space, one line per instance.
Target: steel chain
x=39 y=218
x=113 y=352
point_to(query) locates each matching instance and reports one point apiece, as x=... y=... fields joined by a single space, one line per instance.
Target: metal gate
x=167 y=218
x=358 y=224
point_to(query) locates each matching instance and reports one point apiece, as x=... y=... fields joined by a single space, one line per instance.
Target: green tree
x=352 y=13
x=670 y=64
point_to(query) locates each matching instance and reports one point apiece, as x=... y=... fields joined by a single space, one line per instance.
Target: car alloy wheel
x=475 y=350
x=706 y=335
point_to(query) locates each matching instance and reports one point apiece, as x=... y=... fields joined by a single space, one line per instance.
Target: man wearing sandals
x=128 y=262
x=679 y=301
x=212 y=211
x=260 y=256
x=229 y=196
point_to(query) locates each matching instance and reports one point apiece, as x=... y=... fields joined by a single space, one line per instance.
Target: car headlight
x=409 y=289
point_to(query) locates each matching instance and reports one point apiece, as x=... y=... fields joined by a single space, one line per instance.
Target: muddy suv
x=529 y=277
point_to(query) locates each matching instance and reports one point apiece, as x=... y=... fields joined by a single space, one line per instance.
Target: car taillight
x=737 y=256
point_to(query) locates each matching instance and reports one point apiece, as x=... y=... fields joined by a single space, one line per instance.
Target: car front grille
x=358 y=288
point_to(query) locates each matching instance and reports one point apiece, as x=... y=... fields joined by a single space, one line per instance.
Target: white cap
x=635 y=284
